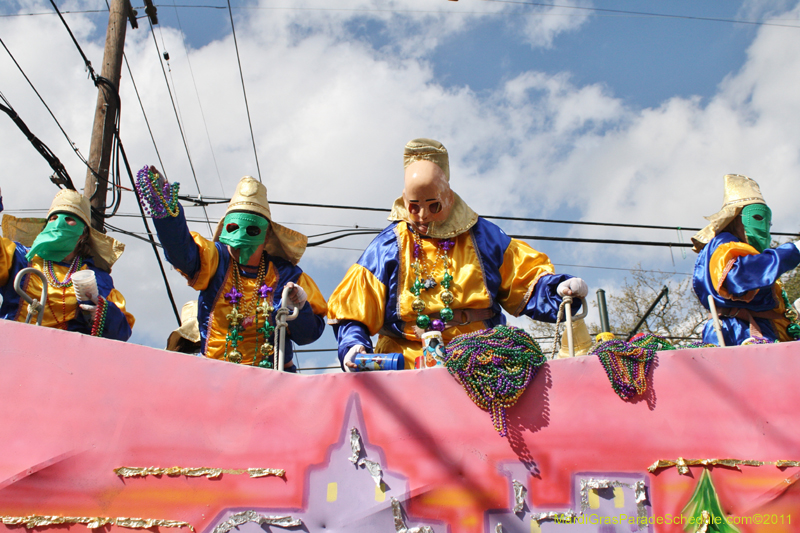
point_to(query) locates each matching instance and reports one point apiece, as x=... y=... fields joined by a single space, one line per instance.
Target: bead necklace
x=99 y=322
x=63 y=320
x=424 y=281
x=627 y=363
x=495 y=367
x=155 y=202
x=52 y=278
x=793 y=329
x=254 y=308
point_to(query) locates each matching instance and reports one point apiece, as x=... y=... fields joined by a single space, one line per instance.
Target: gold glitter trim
x=684 y=464
x=210 y=473
x=93 y=522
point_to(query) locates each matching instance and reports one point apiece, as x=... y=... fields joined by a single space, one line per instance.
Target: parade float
x=106 y=435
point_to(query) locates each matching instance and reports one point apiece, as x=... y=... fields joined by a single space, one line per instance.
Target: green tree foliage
x=679 y=314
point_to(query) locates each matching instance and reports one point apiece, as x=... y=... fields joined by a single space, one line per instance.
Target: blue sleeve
x=544 y=301
x=350 y=333
x=116 y=326
x=752 y=272
x=179 y=248
x=307 y=327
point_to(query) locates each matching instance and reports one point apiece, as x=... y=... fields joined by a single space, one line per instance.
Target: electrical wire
x=180 y=125
x=212 y=200
x=197 y=94
x=645 y=14
x=244 y=91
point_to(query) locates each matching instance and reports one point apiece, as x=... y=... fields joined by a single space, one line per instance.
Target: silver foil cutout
x=400 y=524
x=373 y=468
x=244 y=517
x=519 y=496
x=552 y=515
x=639 y=490
x=355 y=445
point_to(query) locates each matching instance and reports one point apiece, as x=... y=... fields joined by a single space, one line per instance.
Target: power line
x=244 y=91
x=180 y=125
x=645 y=14
x=215 y=200
x=197 y=93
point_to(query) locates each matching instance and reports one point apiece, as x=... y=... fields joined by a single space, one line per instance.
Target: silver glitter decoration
x=552 y=515
x=638 y=488
x=355 y=445
x=400 y=524
x=498 y=528
x=244 y=517
x=519 y=496
x=374 y=470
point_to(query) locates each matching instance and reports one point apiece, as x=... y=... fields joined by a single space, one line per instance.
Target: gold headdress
x=461 y=218
x=739 y=192
x=105 y=250
x=251 y=196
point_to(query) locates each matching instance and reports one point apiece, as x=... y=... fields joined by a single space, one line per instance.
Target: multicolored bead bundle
x=793 y=329
x=423 y=280
x=495 y=367
x=626 y=365
x=99 y=323
x=259 y=305
x=157 y=201
x=52 y=279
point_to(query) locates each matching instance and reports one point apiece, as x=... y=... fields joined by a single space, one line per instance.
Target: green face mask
x=757 y=219
x=58 y=238
x=245 y=232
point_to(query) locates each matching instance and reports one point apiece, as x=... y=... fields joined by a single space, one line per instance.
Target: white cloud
x=331 y=113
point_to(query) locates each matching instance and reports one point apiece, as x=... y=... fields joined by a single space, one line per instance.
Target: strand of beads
x=265 y=308
x=423 y=282
x=793 y=329
x=495 y=367
x=99 y=323
x=626 y=366
x=159 y=202
x=52 y=278
x=236 y=318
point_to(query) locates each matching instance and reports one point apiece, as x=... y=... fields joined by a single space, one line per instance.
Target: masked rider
x=240 y=274
x=738 y=269
x=67 y=244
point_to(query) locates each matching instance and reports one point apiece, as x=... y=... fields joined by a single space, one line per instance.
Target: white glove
x=91 y=308
x=297 y=296
x=575 y=287
x=350 y=358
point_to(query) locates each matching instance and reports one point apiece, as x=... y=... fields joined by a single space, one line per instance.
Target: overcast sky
x=598 y=112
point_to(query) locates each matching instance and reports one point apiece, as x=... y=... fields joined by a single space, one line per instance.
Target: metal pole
x=664 y=292
x=601 y=307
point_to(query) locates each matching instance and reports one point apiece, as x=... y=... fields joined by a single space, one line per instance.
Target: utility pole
x=107 y=106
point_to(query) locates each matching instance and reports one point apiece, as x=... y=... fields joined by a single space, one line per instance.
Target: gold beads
x=235 y=356
x=447 y=297
x=418 y=305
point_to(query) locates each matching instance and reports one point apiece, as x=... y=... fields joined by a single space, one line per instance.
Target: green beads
x=446 y=314
x=423 y=321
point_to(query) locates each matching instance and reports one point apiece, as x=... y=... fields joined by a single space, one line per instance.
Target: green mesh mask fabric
x=244 y=232
x=58 y=239
x=757 y=219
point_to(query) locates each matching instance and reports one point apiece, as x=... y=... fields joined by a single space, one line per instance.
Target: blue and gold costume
x=744 y=283
x=61 y=311
x=208 y=267
x=490 y=271
x=738 y=269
